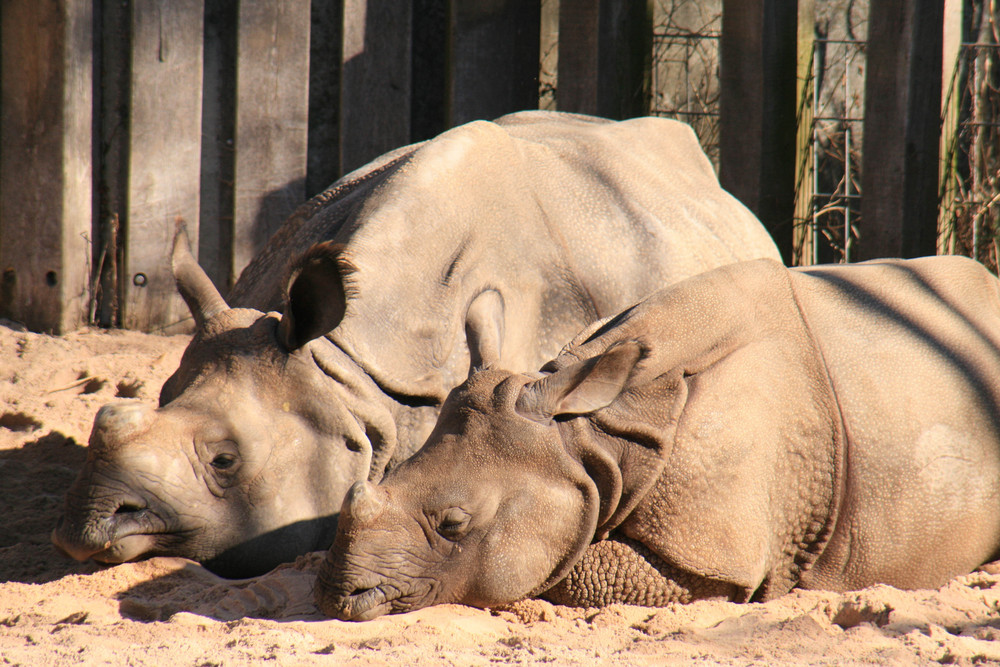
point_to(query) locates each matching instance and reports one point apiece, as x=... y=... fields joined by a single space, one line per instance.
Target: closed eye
x=223 y=461
x=454 y=523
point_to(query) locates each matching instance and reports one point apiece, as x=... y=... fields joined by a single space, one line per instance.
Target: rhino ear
x=484 y=329
x=315 y=296
x=194 y=285
x=581 y=388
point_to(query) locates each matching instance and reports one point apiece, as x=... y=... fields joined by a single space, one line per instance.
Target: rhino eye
x=223 y=461
x=454 y=523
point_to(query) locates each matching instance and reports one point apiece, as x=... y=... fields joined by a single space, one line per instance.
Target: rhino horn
x=117 y=422
x=364 y=503
x=200 y=294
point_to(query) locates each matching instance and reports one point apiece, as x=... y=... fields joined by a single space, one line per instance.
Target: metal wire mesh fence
x=969 y=211
x=835 y=135
x=685 y=86
x=685 y=71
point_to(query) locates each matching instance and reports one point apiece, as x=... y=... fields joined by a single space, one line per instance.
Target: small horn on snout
x=116 y=422
x=364 y=502
x=200 y=294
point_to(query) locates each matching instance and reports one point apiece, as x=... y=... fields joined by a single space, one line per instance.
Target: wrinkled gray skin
x=744 y=432
x=515 y=233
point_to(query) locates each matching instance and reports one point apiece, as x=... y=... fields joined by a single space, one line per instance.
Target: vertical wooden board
x=741 y=109
x=804 y=236
x=375 y=81
x=112 y=72
x=493 y=69
x=548 y=56
x=218 y=118
x=45 y=162
x=757 y=111
x=164 y=156
x=272 y=90
x=951 y=87
x=626 y=51
x=579 y=26
x=902 y=123
x=325 y=66
x=429 y=69
x=605 y=51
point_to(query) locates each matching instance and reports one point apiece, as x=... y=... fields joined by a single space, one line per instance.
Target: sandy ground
x=172 y=612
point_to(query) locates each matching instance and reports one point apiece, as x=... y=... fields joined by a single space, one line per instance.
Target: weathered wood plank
x=325 y=67
x=605 y=50
x=757 y=111
x=45 y=162
x=804 y=240
x=272 y=88
x=900 y=146
x=548 y=54
x=952 y=82
x=428 y=108
x=375 y=83
x=113 y=73
x=579 y=49
x=218 y=128
x=164 y=155
x=493 y=69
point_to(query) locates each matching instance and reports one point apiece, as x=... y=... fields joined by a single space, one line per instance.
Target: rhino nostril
x=129 y=508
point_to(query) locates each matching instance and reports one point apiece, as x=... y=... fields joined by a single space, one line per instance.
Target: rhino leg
x=622 y=570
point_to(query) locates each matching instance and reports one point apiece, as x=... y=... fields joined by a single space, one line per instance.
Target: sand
x=169 y=611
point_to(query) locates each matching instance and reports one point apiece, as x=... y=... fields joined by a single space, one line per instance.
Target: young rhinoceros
x=747 y=431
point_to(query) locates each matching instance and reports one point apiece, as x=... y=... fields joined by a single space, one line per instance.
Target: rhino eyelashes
x=223 y=462
x=454 y=523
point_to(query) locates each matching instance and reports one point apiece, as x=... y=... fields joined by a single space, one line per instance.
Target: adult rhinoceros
x=516 y=232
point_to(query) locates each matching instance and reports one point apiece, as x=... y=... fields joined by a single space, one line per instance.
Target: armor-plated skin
x=744 y=432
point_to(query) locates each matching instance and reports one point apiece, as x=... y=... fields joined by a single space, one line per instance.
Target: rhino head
x=258 y=436
x=492 y=509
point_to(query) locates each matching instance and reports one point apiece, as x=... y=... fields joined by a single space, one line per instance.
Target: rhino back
x=642 y=194
x=567 y=218
x=320 y=219
x=913 y=352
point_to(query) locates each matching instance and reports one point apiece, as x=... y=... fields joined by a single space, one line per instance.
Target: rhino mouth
x=130 y=547
x=124 y=536
x=360 y=600
x=364 y=604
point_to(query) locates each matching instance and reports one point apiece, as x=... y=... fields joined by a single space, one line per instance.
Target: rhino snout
x=363 y=504
x=123 y=531
x=349 y=594
x=361 y=604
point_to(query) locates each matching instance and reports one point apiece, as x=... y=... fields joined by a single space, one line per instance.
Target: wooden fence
x=118 y=116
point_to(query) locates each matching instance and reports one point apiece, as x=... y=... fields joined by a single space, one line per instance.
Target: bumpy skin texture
x=622 y=570
x=747 y=431
x=510 y=235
